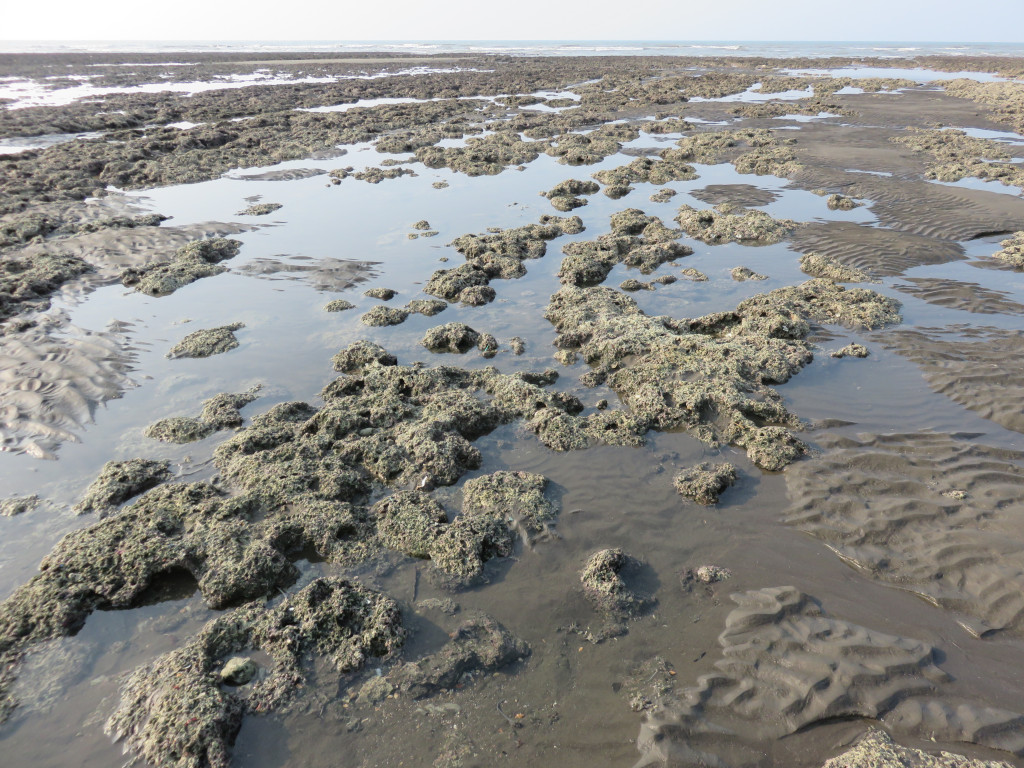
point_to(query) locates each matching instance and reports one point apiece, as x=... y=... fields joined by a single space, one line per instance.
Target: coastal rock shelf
x=473 y=409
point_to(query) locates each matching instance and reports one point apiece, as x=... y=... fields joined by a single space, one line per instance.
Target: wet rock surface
x=705 y=482
x=190 y=263
x=119 y=481
x=207 y=342
x=219 y=412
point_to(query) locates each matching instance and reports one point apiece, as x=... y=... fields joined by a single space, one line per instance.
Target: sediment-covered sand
x=675 y=420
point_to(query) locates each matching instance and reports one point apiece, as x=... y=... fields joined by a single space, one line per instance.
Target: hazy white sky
x=911 y=20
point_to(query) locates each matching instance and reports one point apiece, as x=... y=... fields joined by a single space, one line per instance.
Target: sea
x=767 y=49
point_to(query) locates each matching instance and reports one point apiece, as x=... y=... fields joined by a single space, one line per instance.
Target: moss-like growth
x=427 y=307
x=118 y=481
x=958 y=156
x=663 y=195
x=207 y=342
x=18 y=506
x=451 y=337
x=175 y=712
x=198 y=259
x=705 y=482
x=819 y=265
x=727 y=223
x=669 y=166
x=486 y=156
x=219 y=412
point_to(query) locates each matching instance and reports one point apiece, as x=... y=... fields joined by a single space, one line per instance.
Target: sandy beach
x=454 y=410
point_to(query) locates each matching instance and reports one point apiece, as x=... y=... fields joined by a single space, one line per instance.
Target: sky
x=682 y=20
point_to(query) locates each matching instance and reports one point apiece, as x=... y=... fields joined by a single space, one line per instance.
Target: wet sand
x=461 y=518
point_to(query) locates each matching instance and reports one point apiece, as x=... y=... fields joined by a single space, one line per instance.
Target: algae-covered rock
x=207 y=342
x=219 y=412
x=741 y=274
x=663 y=195
x=727 y=223
x=118 y=481
x=1012 y=251
x=18 y=506
x=878 y=750
x=485 y=156
x=605 y=587
x=851 y=350
x=410 y=522
x=175 y=712
x=360 y=354
x=238 y=670
x=819 y=265
x=427 y=307
x=839 y=202
x=338 y=305
x=565 y=196
x=694 y=274
x=479 y=645
x=29 y=282
x=384 y=294
x=383 y=316
x=669 y=166
x=517 y=345
x=632 y=285
x=260 y=209
x=198 y=259
x=422 y=224
x=513 y=496
x=451 y=337
x=705 y=482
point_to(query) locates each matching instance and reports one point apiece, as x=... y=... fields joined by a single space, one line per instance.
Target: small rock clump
x=219 y=412
x=118 y=481
x=384 y=294
x=260 y=209
x=819 y=265
x=455 y=337
x=565 y=196
x=841 y=203
x=741 y=274
x=18 y=506
x=727 y=223
x=338 y=305
x=605 y=587
x=694 y=274
x=427 y=307
x=383 y=316
x=663 y=195
x=422 y=224
x=851 y=350
x=669 y=166
x=198 y=259
x=878 y=750
x=30 y=282
x=207 y=342
x=705 y=482
x=1012 y=251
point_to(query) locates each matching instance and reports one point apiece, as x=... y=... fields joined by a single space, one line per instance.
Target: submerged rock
x=260 y=209
x=740 y=274
x=705 y=482
x=198 y=259
x=694 y=274
x=18 y=506
x=118 y=481
x=605 y=587
x=207 y=342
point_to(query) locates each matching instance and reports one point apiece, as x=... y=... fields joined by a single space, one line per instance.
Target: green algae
x=198 y=259
x=219 y=412
x=207 y=342
x=118 y=481
x=728 y=223
x=705 y=482
x=175 y=712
